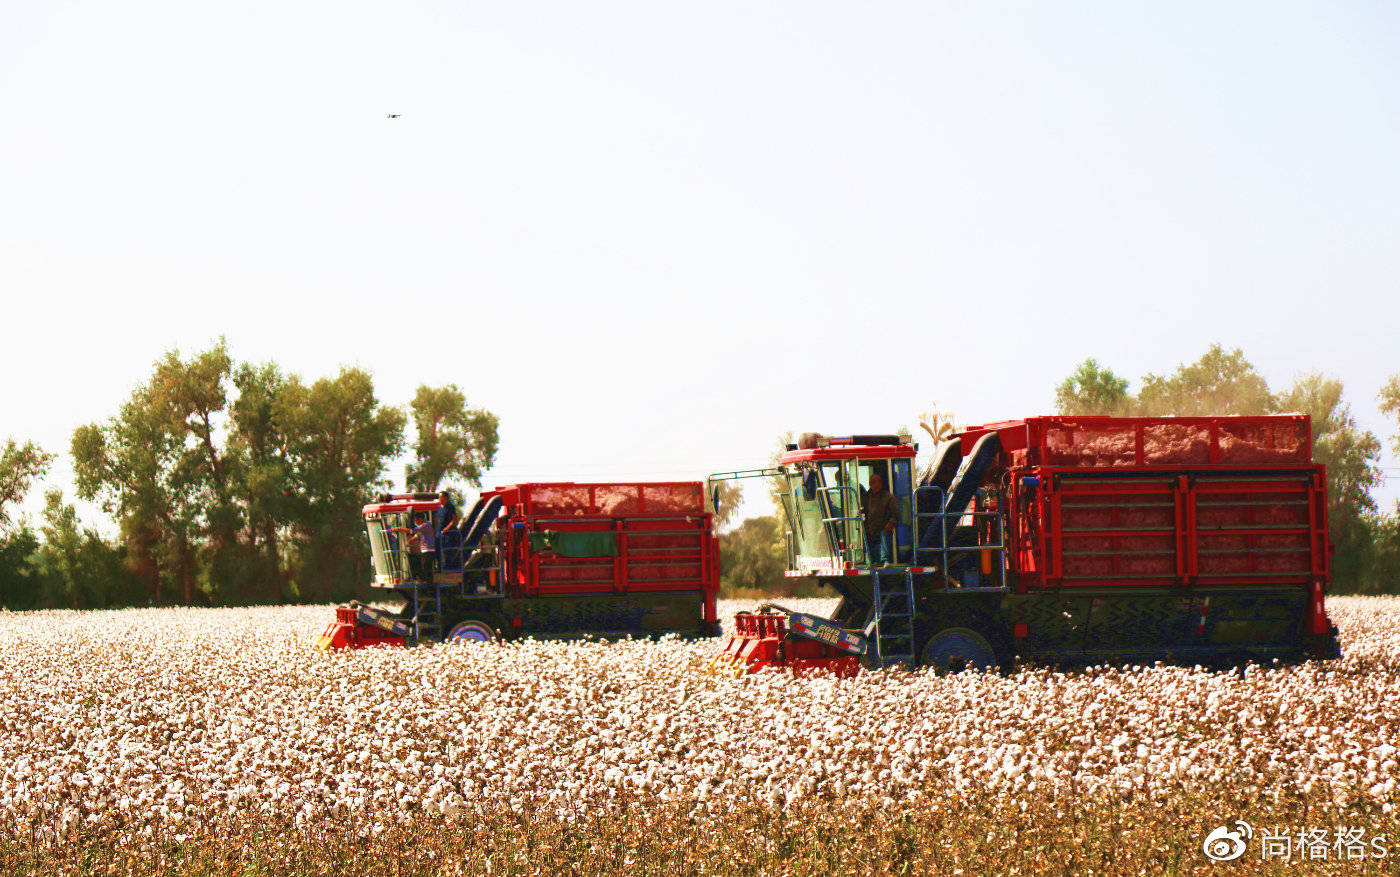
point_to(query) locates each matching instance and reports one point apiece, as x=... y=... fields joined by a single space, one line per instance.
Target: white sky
x=651 y=237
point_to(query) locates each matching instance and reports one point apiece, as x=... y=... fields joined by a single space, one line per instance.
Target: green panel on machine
x=574 y=544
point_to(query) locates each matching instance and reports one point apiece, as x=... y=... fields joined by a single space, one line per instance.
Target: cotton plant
x=164 y=720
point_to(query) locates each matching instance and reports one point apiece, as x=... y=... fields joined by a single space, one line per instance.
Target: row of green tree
x=235 y=483
x=230 y=483
x=1221 y=382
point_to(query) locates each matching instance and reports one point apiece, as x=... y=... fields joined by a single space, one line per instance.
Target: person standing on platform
x=882 y=513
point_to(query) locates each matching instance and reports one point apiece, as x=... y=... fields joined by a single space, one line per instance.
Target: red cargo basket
x=568 y=499
x=1169 y=441
x=645 y=537
x=1165 y=501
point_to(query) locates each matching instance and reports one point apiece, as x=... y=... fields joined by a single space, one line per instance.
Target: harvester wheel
x=958 y=648
x=471 y=631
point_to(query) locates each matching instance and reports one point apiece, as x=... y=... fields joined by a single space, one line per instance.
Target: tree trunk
x=186 y=570
x=142 y=562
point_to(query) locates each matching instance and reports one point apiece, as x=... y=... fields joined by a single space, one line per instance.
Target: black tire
x=1324 y=646
x=951 y=649
x=1233 y=662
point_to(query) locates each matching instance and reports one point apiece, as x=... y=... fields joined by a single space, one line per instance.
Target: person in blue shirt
x=449 y=534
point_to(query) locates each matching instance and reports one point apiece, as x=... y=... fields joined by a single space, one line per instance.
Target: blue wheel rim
x=471 y=632
x=952 y=647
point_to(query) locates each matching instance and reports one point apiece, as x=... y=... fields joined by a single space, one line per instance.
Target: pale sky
x=651 y=237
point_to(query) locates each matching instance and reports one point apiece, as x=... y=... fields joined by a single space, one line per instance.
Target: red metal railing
x=1163 y=528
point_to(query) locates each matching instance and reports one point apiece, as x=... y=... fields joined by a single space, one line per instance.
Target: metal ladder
x=427 y=616
x=893 y=625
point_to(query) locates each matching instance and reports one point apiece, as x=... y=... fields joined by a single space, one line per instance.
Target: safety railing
x=670 y=565
x=451 y=555
x=768 y=472
x=988 y=524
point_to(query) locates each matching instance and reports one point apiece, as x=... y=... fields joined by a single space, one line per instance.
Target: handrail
x=942 y=497
x=942 y=552
x=689 y=516
x=857 y=525
x=737 y=474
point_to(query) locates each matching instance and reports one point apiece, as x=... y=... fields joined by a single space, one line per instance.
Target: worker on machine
x=882 y=513
x=449 y=537
x=421 y=546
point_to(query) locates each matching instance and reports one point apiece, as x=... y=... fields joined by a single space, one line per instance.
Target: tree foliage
x=339 y=441
x=1218 y=383
x=1389 y=397
x=263 y=489
x=749 y=560
x=1385 y=545
x=131 y=466
x=20 y=583
x=1093 y=390
x=1352 y=458
x=236 y=482
x=77 y=568
x=936 y=422
x=454 y=440
x=20 y=466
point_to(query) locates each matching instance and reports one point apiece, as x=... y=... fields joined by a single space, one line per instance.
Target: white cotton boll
x=579 y=723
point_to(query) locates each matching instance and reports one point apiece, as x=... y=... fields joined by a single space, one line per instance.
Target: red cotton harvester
x=1055 y=539
x=558 y=559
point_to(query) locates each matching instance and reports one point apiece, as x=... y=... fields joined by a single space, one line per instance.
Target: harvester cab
x=825 y=489
x=942 y=531
x=439 y=576
x=462 y=555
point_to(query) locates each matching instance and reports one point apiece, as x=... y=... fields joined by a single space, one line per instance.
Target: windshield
x=387 y=550
x=806 y=507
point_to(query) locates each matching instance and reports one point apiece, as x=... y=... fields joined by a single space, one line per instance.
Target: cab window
x=838 y=498
x=806 y=509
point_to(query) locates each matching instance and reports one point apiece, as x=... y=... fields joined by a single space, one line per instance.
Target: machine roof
x=848 y=452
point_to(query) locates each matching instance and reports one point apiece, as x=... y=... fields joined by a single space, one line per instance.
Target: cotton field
x=164 y=720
